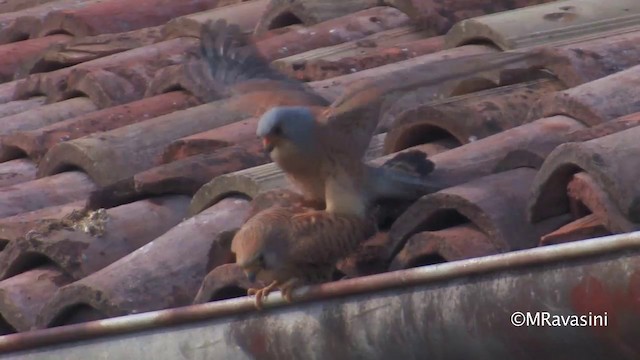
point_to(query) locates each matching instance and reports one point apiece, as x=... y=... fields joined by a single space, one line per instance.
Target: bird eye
x=277 y=130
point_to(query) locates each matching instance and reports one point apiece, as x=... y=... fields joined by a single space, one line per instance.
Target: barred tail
x=231 y=57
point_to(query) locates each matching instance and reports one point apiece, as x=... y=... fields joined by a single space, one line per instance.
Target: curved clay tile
x=375 y=50
x=23 y=296
x=141 y=63
x=13 y=55
x=46 y=115
x=597 y=101
x=536 y=25
x=480 y=158
x=245 y=14
x=14 y=227
x=115 y=16
x=18 y=106
x=26 y=23
x=84 y=242
x=183 y=176
x=36 y=143
x=496 y=204
x=467 y=117
x=17 y=171
x=449 y=244
x=224 y=282
x=609 y=162
x=87 y=48
x=118 y=154
x=166 y=272
x=211 y=140
x=349 y=27
x=41 y=193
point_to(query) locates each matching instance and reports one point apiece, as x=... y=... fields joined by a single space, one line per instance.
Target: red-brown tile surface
x=14 y=54
x=37 y=142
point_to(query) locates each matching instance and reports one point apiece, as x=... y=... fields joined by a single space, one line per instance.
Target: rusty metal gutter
x=455 y=310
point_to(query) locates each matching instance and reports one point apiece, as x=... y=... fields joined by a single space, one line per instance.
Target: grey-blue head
x=293 y=124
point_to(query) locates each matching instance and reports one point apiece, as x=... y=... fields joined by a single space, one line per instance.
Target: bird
x=286 y=247
x=321 y=148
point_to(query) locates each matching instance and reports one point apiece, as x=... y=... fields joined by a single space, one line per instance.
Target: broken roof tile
x=84 y=242
x=36 y=143
x=54 y=190
x=46 y=115
x=13 y=55
x=347 y=28
x=245 y=14
x=609 y=162
x=464 y=118
x=535 y=25
x=23 y=297
x=168 y=271
x=587 y=227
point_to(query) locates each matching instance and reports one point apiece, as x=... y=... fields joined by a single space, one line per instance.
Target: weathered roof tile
x=36 y=143
x=13 y=55
x=168 y=271
x=45 y=192
x=86 y=241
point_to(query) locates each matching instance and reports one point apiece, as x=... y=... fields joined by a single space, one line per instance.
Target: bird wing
x=233 y=59
x=353 y=118
x=323 y=238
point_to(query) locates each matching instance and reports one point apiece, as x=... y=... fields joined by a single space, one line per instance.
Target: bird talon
x=261 y=294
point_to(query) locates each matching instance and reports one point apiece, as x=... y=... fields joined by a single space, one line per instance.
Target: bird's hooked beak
x=251 y=275
x=267 y=144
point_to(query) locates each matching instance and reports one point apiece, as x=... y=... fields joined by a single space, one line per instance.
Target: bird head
x=286 y=127
x=254 y=250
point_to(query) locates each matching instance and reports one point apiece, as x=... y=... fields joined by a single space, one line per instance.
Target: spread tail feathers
x=230 y=56
x=404 y=177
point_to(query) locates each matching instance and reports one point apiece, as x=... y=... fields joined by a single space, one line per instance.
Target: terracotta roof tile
x=7 y=6
x=541 y=24
x=87 y=48
x=182 y=257
x=109 y=80
x=45 y=192
x=37 y=142
x=375 y=50
x=347 y=28
x=245 y=14
x=464 y=118
x=16 y=172
x=114 y=16
x=14 y=227
x=452 y=243
x=210 y=141
x=47 y=115
x=114 y=116
x=23 y=296
x=496 y=204
x=18 y=106
x=14 y=54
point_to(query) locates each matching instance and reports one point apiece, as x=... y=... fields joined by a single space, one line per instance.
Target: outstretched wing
x=353 y=118
x=232 y=59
